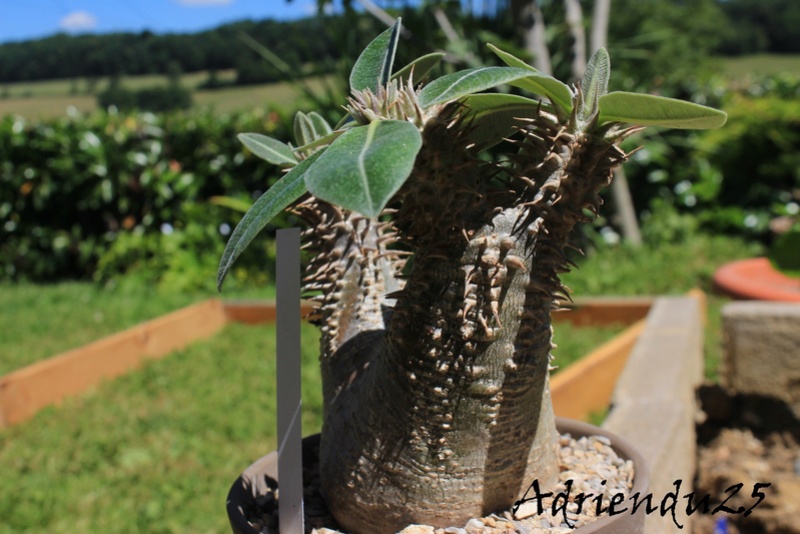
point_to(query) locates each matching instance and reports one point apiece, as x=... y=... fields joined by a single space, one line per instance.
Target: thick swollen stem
x=454 y=417
x=349 y=277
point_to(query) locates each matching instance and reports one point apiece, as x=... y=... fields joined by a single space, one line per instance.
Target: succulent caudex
x=435 y=375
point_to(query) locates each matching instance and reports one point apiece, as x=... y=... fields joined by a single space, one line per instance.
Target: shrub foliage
x=81 y=192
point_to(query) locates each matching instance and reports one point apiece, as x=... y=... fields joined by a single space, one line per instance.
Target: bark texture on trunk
x=435 y=372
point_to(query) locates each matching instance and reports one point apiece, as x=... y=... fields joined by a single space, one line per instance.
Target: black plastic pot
x=255 y=479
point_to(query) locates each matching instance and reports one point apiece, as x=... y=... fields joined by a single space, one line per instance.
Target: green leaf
x=510 y=59
x=453 y=86
x=374 y=65
x=421 y=66
x=483 y=103
x=650 y=110
x=321 y=126
x=285 y=191
x=541 y=84
x=322 y=141
x=268 y=149
x=304 y=132
x=364 y=167
x=594 y=83
x=236 y=204
x=493 y=116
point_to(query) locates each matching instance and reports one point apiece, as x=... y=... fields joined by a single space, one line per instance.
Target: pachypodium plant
x=436 y=269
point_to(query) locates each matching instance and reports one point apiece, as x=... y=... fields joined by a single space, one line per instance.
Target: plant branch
x=600 y=15
x=455 y=40
x=374 y=10
x=624 y=207
x=574 y=19
x=535 y=36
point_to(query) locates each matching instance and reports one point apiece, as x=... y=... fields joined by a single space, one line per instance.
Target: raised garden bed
x=25 y=391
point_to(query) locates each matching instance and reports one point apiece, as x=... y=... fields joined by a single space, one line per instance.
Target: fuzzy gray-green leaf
x=321 y=126
x=537 y=82
x=304 y=132
x=421 y=66
x=374 y=65
x=651 y=110
x=494 y=116
x=594 y=83
x=268 y=149
x=453 y=86
x=311 y=147
x=285 y=191
x=365 y=166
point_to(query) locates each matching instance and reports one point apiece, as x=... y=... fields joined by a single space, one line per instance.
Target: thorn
x=515 y=262
x=495 y=307
x=527 y=181
x=468 y=305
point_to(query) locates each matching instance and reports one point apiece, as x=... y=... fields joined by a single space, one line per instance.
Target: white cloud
x=204 y=2
x=78 y=21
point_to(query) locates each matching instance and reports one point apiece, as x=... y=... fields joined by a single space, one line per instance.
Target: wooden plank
x=586 y=385
x=583 y=312
x=599 y=311
x=258 y=311
x=25 y=391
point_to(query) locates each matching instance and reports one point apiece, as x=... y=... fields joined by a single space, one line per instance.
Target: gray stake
x=290 y=459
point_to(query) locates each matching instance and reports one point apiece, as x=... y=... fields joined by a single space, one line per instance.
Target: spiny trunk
x=438 y=407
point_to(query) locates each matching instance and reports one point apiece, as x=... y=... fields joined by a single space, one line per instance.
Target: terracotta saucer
x=757 y=279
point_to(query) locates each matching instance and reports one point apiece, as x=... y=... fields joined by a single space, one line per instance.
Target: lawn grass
x=575 y=342
x=665 y=269
x=156 y=450
x=39 y=321
x=81 y=86
x=51 y=98
x=761 y=64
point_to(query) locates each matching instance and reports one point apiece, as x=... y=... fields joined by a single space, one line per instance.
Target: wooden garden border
x=583 y=388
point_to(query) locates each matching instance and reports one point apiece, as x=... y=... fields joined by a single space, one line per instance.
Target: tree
x=436 y=271
x=761 y=26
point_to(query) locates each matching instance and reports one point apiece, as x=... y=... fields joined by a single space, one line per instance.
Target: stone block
x=761 y=350
x=654 y=403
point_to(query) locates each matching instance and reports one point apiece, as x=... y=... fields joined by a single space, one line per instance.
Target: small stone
x=418 y=529
x=474 y=526
x=603 y=439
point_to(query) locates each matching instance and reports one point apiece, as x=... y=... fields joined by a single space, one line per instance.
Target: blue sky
x=30 y=19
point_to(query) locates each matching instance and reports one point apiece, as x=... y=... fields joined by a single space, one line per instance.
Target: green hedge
x=735 y=179
x=101 y=195
x=125 y=191
x=757 y=156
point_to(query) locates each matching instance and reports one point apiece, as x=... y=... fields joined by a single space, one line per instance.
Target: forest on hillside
x=117 y=54
x=740 y=27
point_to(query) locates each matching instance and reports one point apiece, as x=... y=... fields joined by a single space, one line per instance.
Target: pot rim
x=252 y=481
